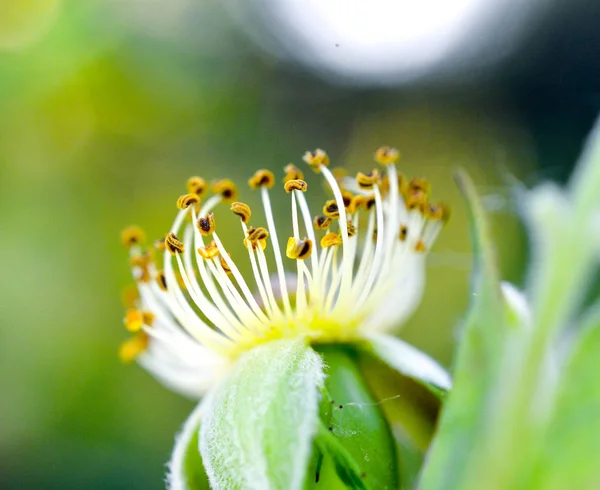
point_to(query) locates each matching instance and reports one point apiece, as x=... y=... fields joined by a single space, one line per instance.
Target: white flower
x=359 y=269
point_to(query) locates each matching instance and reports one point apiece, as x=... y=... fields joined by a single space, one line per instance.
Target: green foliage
x=358 y=437
x=523 y=413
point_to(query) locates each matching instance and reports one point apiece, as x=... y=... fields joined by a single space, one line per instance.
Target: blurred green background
x=106 y=107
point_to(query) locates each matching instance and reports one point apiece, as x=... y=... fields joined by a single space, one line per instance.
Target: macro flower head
x=346 y=270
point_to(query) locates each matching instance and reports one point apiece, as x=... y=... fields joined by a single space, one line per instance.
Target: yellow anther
x=159 y=244
x=292 y=173
x=130 y=296
x=259 y=233
x=403 y=233
x=437 y=212
x=262 y=178
x=316 y=158
x=225 y=266
x=142 y=263
x=196 y=185
x=256 y=237
x=173 y=244
x=185 y=201
x=360 y=201
x=351 y=228
x=347 y=197
x=386 y=155
x=132 y=235
x=419 y=185
x=133 y=347
x=331 y=209
x=420 y=246
x=161 y=280
x=416 y=200
x=209 y=252
x=331 y=240
x=322 y=222
x=295 y=185
x=298 y=249
x=134 y=319
x=242 y=210
x=367 y=181
x=374 y=237
x=206 y=225
x=226 y=188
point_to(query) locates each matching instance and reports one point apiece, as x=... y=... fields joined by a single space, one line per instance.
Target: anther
x=359 y=201
x=133 y=347
x=316 y=158
x=196 y=185
x=386 y=155
x=292 y=173
x=206 y=225
x=419 y=184
x=331 y=209
x=161 y=280
x=226 y=188
x=415 y=200
x=331 y=240
x=132 y=235
x=347 y=198
x=209 y=252
x=187 y=200
x=351 y=228
x=256 y=237
x=242 y=210
x=133 y=320
x=173 y=244
x=437 y=212
x=322 y=222
x=295 y=185
x=298 y=249
x=367 y=181
x=420 y=246
x=403 y=233
x=225 y=266
x=262 y=178
x=160 y=243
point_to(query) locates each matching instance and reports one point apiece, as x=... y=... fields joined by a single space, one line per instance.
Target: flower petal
x=408 y=360
x=259 y=424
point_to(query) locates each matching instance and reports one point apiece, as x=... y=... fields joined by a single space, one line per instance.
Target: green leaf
x=259 y=423
x=480 y=359
x=186 y=471
x=357 y=422
x=408 y=360
x=345 y=465
x=570 y=455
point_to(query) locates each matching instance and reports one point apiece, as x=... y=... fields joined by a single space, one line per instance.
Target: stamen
x=351 y=228
x=225 y=266
x=262 y=178
x=226 y=188
x=133 y=235
x=322 y=222
x=420 y=246
x=331 y=240
x=161 y=280
x=173 y=244
x=295 y=185
x=160 y=243
x=419 y=184
x=196 y=185
x=386 y=155
x=209 y=252
x=242 y=210
x=316 y=159
x=187 y=200
x=331 y=210
x=207 y=225
x=292 y=173
x=133 y=347
x=366 y=181
x=403 y=233
x=298 y=249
